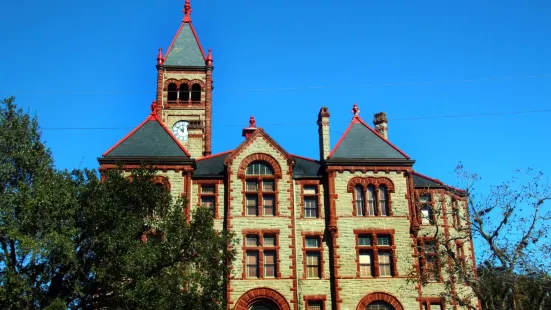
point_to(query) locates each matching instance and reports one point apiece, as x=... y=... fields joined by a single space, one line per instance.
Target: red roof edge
x=384 y=139
x=194 y=34
x=214 y=155
x=342 y=138
x=439 y=182
x=152 y=117
x=305 y=158
x=428 y=178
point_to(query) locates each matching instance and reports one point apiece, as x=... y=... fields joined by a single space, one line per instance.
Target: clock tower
x=184 y=89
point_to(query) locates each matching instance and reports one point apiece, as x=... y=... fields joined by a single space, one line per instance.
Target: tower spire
x=187 y=12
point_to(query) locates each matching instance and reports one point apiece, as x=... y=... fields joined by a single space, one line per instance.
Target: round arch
x=261 y=294
x=259 y=157
x=378 y=296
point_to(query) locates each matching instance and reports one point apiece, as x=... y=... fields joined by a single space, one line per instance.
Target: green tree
x=75 y=240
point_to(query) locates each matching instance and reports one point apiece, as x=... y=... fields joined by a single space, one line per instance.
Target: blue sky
x=92 y=65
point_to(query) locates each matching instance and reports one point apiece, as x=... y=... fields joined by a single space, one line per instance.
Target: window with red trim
x=371 y=200
x=311 y=205
x=261 y=255
x=375 y=254
x=460 y=252
x=456 y=221
x=314 y=305
x=208 y=197
x=313 y=256
x=432 y=304
x=427 y=211
x=428 y=259
x=260 y=190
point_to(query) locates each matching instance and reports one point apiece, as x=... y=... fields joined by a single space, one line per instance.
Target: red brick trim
x=259 y=157
x=370 y=181
x=319 y=249
x=426 y=301
x=163 y=168
x=391 y=300
x=261 y=294
x=364 y=169
x=183 y=81
x=187 y=193
x=259 y=132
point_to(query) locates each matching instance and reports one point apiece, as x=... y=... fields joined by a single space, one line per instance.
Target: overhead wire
x=338 y=121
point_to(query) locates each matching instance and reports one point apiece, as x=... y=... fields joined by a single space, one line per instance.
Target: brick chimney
x=381 y=124
x=323 y=132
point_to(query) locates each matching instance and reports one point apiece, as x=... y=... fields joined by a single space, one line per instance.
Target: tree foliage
x=73 y=240
x=510 y=225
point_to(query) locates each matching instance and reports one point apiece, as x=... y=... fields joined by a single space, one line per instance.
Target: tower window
x=196 y=92
x=184 y=92
x=172 y=92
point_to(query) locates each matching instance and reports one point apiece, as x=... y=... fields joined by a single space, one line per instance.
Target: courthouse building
x=342 y=231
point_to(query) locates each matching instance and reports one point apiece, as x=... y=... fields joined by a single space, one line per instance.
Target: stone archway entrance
x=264 y=305
x=262 y=299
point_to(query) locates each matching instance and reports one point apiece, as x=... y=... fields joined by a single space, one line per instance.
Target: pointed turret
x=185 y=49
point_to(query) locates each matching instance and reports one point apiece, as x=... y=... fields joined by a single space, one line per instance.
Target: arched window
x=195 y=92
x=172 y=92
x=371 y=198
x=184 y=92
x=359 y=195
x=260 y=189
x=264 y=305
x=383 y=200
x=379 y=305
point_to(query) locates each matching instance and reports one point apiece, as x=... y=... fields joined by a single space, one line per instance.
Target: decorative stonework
x=370 y=181
x=259 y=157
x=261 y=294
x=391 y=300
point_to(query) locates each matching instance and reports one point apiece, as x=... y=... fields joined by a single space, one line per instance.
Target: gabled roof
x=257 y=132
x=210 y=166
x=306 y=168
x=150 y=139
x=360 y=141
x=421 y=181
x=213 y=166
x=185 y=49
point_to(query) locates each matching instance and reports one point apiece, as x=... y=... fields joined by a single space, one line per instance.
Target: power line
x=413 y=83
x=338 y=121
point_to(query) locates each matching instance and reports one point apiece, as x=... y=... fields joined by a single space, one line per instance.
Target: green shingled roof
x=214 y=167
x=185 y=50
x=361 y=142
x=151 y=139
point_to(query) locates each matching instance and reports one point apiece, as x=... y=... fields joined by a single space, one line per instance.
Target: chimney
x=381 y=124
x=323 y=132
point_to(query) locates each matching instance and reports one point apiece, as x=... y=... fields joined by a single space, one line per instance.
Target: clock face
x=179 y=130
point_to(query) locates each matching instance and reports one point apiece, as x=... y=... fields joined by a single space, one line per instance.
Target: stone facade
x=328 y=233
